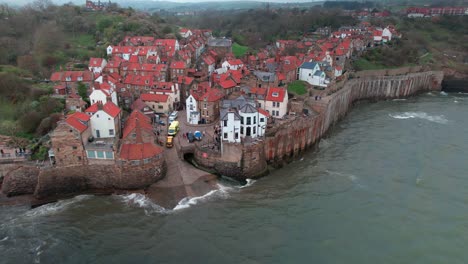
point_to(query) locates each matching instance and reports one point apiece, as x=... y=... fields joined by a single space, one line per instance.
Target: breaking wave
x=399 y=100
x=222 y=192
x=57 y=207
x=421 y=115
x=443 y=93
x=141 y=201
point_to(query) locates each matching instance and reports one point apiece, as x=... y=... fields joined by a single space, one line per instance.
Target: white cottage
x=105 y=120
x=193 y=115
x=311 y=73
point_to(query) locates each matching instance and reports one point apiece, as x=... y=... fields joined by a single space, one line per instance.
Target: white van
x=173 y=116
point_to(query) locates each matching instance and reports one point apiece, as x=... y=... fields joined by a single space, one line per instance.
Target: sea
x=389 y=184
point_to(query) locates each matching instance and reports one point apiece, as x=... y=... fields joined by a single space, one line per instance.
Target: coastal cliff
x=299 y=133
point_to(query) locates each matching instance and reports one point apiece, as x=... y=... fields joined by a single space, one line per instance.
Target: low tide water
x=388 y=185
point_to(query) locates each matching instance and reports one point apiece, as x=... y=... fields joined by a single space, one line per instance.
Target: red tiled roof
x=110 y=108
x=76 y=121
x=80 y=116
x=139 y=151
x=279 y=98
x=263 y=112
x=227 y=84
x=95 y=62
x=177 y=65
x=258 y=91
x=235 y=62
x=212 y=95
x=154 y=97
x=136 y=120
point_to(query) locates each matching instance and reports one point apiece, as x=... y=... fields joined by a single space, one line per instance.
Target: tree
x=82 y=91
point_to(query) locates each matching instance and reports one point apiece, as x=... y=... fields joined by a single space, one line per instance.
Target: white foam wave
x=421 y=115
x=59 y=206
x=455 y=101
x=141 y=201
x=430 y=93
x=222 y=191
x=249 y=183
x=4 y=239
x=399 y=100
x=443 y=93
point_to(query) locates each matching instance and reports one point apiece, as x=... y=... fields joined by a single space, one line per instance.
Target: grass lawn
x=239 y=50
x=297 y=87
x=363 y=64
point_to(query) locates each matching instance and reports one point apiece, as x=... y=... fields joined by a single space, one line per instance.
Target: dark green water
x=390 y=185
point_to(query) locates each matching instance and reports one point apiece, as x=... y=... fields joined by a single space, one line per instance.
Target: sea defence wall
x=56 y=181
x=303 y=132
x=298 y=133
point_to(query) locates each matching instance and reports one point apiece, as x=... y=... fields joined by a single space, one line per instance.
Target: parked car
x=169 y=141
x=161 y=123
x=173 y=116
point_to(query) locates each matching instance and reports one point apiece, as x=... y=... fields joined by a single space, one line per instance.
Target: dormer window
x=275 y=94
x=80 y=78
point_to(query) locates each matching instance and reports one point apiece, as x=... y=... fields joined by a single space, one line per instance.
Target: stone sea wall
x=299 y=133
x=56 y=181
x=303 y=132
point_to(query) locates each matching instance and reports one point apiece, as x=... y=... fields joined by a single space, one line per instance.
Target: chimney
x=99 y=105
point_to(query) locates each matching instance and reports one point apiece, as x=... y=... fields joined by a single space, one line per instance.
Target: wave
x=249 y=183
x=443 y=93
x=222 y=191
x=397 y=100
x=421 y=115
x=59 y=206
x=141 y=201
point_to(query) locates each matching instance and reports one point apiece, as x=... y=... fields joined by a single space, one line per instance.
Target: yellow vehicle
x=173 y=129
x=169 y=141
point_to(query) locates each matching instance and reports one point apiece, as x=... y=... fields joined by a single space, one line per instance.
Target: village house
x=103 y=95
x=311 y=73
x=67 y=140
x=276 y=102
x=240 y=119
x=203 y=105
x=177 y=69
x=74 y=102
x=185 y=33
x=138 y=145
x=96 y=65
x=159 y=103
x=232 y=65
x=105 y=119
x=220 y=47
x=67 y=81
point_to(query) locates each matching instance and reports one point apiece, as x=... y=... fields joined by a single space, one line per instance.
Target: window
x=225 y=135
x=100 y=154
x=254 y=130
x=79 y=158
x=275 y=94
x=248 y=121
x=248 y=130
x=262 y=120
x=160 y=107
x=146 y=161
x=109 y=155
x=135 y=162
x=204 y=106
x=225 y=123
x=242 y=120
x=237 y=135
x=255 y=120
x=277 y=104
x=111 y=132
x=91 y=154
x=74 y=147
x=242 y=130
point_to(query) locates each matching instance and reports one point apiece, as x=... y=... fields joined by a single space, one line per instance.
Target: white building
x=311 y=73
x=193 y=115
x=240 y=119
x=232 y=65
x=105 y=120
x=185 y=33
x=276 y=102
x=103 y=96
x=96 y=65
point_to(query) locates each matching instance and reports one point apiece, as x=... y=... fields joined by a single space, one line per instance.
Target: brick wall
x=67 y=145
